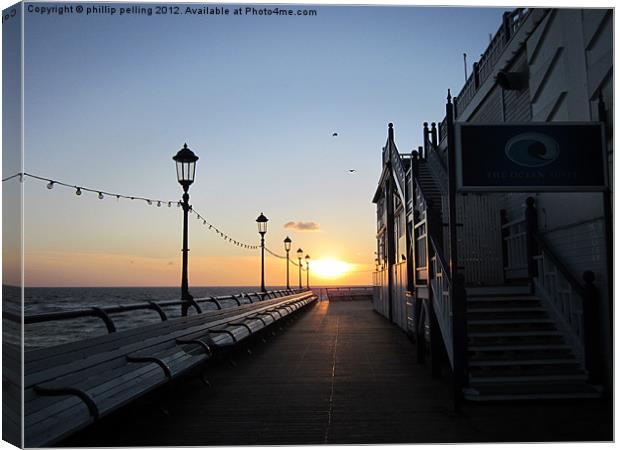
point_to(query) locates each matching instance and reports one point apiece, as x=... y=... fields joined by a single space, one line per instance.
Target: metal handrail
x=104 y=312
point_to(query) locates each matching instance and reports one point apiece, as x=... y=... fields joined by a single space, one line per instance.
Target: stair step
x=524 y=309
x=507 y=348
x=509 y=321
x=530 y=391
x=502 y=290
x=527 y=378
x=520 y=362
x=537 y=333
x=503 y=298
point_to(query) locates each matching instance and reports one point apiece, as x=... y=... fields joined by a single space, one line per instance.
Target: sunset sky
x=109 y=100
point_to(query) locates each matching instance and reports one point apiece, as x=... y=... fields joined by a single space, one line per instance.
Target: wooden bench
x=68 y=387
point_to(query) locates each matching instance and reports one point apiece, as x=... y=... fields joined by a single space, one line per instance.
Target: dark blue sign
x=530 y=157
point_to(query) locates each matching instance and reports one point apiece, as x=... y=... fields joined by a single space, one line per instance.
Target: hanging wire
x=101 y=194
x=12 y=176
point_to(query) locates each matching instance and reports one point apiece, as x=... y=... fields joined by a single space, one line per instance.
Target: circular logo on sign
x=532 y=150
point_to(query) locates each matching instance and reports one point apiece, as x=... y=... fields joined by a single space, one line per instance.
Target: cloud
x=303 y=226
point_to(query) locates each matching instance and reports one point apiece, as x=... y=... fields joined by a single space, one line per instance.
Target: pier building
x=510 y=281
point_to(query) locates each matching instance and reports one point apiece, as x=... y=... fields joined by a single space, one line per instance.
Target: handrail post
x=531 y=227
x=591 y=329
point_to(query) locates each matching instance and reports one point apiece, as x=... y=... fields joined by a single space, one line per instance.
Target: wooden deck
x=339 y=373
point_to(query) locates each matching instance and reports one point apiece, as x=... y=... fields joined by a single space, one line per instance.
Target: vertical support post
x=389 y=206
x=608 y=218
x=185 y=295
x=503 y=220
x=531 y=225
x=459 y=307
x=262 y=262
x=592 y=343
x=436 y=343
x=288 y=285
x=459 y=322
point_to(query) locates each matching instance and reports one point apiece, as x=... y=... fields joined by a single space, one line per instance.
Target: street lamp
x=287 y=247
x=262 y=229
x=186 y=169
x=308 y=271
x=300 y=253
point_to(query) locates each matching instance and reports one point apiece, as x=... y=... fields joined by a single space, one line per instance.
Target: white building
x=521 y=332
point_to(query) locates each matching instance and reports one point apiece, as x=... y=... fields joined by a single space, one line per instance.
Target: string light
x=101 y=194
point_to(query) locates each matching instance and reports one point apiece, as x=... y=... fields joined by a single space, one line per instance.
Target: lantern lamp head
x=186 y=166
x=300 y=253
x=287 y=243
x=307 y=258
x=262 y=224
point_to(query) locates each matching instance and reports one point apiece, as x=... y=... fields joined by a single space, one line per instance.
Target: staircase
x=516 y=352
x=429 y=187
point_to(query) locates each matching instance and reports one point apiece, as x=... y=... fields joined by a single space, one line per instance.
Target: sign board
x=530 y=157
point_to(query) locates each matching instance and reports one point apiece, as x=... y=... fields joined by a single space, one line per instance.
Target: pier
x=336 y=373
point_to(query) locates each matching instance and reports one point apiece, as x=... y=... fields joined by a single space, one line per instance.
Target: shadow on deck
x=338 y=374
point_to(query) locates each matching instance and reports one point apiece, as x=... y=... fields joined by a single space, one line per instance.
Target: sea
x=39 y=300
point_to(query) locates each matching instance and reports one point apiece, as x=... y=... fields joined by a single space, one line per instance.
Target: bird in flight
x=334 y=134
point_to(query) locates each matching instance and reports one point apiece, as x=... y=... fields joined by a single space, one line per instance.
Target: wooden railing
x=483 y=69
x=562 y=292
x=442 y=302
x=514 y=246
x=573 y=305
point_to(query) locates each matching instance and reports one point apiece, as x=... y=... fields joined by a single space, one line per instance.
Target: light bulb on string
x=78 y=191
x=149 y=202
x=50 y=185
x=169 y=204
x=100 y=196
x=158 y=204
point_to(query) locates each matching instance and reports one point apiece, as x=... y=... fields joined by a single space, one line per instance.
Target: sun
x=329 y=268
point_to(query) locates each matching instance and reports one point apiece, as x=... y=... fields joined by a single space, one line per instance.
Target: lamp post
x=262 y=229
x=186 y=168
x=300 y=253
x=287 y=247
x=308 y=271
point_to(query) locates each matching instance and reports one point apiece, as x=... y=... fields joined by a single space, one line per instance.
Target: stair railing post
x=531 y=227
x=434 y=134
x=425 y=140
x=591 y=329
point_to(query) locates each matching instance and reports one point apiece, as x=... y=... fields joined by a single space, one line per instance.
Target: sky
x=109 y=99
